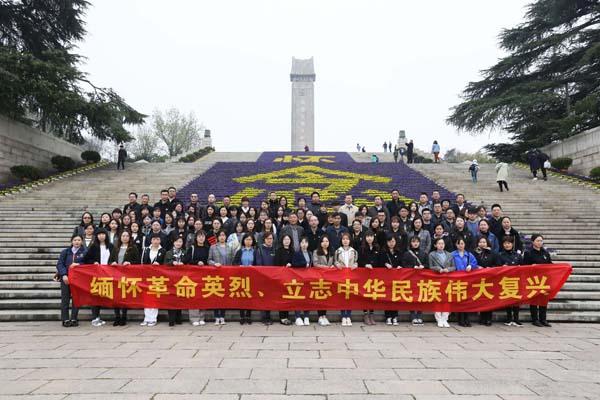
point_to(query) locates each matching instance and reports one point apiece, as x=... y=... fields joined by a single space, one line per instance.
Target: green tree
x=548 y=86
x=40 y=78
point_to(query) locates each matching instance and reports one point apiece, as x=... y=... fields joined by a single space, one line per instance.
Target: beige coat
x=502 y=172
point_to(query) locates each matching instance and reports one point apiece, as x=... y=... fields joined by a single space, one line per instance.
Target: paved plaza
x=41 y=360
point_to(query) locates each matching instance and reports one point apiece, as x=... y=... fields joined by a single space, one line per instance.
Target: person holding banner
x=98 y=253
x=368 y=257
x=124 y=253
x=390 y=258
x=465 y=262
x=220 y=254
x=265 y=255
x=537 y=254
x=245 y=257
x=302 y=259
x=283 y=258
x=69 y=256
x=443 y=262
x=174 y=257
x=197 y=254
x=509 y=256
x=152 y=255
x=415 y=258
x=323 y=258
x=346 y=257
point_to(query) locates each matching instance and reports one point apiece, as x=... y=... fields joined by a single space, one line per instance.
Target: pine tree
x=40 y=80
x=548 y=86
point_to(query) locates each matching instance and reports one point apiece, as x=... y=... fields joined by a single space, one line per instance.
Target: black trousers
x=121 y=163
x=500 y=183
x=409 y=158
x=485 y=316
x=174 y=316
x=538 y=313
x=121 y=313
x=512 y=314
x=95 y=312
x=65 y=302
x=390 y=314
x=246 y=314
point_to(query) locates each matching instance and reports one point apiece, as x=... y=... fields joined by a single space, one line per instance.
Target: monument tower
x=303 y=104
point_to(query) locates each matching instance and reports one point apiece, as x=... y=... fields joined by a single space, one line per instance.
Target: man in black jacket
x=394 y=204
x=121 y=157
x=410 y=151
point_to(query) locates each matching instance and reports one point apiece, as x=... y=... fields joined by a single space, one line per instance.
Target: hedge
x=595 y=173
x=26 y=172
x=562 y=163
x=196 y=155
x=63 y=163
x=90 y=156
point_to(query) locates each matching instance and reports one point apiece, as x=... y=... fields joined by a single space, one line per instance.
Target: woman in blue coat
x=69 y=256
x=464 y=261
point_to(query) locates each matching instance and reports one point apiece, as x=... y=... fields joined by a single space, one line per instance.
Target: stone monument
x=303 y=104
x=401 y=138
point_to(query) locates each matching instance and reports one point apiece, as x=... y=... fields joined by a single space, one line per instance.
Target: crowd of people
x=442 y=235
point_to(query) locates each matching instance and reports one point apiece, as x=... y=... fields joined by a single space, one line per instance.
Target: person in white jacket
x=502 y=175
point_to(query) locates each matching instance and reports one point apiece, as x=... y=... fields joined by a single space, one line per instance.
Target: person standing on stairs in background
x=473 y=169
x=410 y=151
x=358 y=147
x=396 y=154
x=502 y=175
x=390 y=146
x=435 y=149
x=534 y=162
x=385 y=147
x=544 y=161
x=122 y=155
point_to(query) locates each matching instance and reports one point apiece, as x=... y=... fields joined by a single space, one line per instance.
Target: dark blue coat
x=66 y=258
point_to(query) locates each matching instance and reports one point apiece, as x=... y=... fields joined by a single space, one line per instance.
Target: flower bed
x=302 y=157
x=14 y=187
x=296 y=179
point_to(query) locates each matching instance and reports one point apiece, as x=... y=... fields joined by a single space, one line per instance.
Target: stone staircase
x=36 y=225
x=568 y=215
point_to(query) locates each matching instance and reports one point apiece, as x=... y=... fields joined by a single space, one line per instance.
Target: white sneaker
x=415 y=321
x=217 y=321
x=201 y=322
x=440 y=324
x=96 y=322
x=151 y=324
x=446 y=324
x=299 y=322
x=306 y=321
x=320 y=321
x=420 y=321
x=325 y=321
x=388 y=321
x=144 y=323
x=344 y=323
x=196 y=323
x=348 y=321
x=223 y=321
x=535 y=178
x=395 y=321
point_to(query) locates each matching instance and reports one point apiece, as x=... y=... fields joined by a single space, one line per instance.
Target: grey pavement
x=41 y=360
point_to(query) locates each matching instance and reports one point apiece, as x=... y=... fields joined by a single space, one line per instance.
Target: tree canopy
x=40 y=78
x=548 y=86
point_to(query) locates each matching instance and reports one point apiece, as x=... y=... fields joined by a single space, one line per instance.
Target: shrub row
x=196 y=155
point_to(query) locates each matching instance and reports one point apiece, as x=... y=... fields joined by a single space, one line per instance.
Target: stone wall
x=23 y=145
x=583 y=148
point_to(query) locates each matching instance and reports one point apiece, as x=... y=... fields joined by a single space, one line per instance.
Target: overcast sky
x=381 y=66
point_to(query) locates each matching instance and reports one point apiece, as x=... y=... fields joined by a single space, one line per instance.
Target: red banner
x=278 y=288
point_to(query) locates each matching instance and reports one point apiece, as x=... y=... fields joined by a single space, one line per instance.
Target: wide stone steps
x=35 y=226
x=567 y=215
